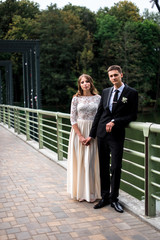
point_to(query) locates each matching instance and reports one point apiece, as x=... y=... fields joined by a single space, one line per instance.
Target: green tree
x=20 y=28
x=140 y=59
x=110 y=38
x=131 y=56
x=62 y=38
x=87 y=17
x=10 y=8
x=88 y=21
x=106 y=46
x=149 y=34
x=125 y=11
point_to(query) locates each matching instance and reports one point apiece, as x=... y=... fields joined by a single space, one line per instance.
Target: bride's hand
x=82 y=140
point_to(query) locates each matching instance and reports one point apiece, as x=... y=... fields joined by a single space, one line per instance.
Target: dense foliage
x=74 y=40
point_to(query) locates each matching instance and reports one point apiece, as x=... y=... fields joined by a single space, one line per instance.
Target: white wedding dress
x=83 y=177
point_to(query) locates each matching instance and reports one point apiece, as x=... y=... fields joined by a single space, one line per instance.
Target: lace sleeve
x=73 y=113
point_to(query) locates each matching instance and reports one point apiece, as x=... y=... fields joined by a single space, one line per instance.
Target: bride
x=83 y=179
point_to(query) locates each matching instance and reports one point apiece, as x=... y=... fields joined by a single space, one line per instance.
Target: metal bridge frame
x=31 y=69
x=9 y=82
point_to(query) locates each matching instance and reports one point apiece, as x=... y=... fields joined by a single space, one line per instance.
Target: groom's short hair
x=115 y=67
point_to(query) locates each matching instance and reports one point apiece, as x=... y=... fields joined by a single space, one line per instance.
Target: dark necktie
x=115 y=99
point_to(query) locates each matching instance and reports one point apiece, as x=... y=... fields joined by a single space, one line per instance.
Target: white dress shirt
x=112 y=95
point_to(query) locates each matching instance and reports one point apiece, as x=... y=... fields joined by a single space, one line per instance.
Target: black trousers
x=110 y=148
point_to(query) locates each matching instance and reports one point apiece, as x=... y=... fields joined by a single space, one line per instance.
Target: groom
x=118 y=107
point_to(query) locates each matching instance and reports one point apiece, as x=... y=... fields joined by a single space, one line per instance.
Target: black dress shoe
x=101 y=203
x=117 y=206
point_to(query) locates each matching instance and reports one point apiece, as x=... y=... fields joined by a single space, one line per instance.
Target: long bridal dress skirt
x=83 y=176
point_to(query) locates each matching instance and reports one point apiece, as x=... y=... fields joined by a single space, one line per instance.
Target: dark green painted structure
x=31 y=70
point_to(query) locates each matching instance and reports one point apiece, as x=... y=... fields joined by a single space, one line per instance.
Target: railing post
x=59 y=138
x=4 y=115
x=40 y=130
x=27 y=126
x=9 y=118
x=0 y=114
x=151 y=200
x=15 y=120
x=18 y=122
x=150 y=204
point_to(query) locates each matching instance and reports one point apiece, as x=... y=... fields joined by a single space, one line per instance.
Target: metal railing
x=141 y=161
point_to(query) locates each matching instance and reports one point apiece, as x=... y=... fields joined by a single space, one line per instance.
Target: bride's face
x=85 y=84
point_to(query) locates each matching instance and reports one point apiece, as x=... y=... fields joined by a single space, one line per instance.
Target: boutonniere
x=124 y=100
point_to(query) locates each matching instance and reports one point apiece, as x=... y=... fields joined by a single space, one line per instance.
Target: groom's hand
x=87 y=141
x=109 y=126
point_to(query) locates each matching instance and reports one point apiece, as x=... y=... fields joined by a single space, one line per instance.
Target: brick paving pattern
x=34 y=203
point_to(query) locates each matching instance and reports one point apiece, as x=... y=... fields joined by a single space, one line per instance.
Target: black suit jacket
x=124 y=112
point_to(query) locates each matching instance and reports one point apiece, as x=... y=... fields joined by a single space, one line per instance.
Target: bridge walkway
x=34 y=204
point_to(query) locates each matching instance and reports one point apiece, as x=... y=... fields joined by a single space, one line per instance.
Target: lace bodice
x=84 y=108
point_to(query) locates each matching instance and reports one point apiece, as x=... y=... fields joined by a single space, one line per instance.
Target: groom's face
x=115 y=77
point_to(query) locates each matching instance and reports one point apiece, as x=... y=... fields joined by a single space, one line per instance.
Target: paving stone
x=4 y=226
x=40 y=237
x=52 y=237
x=63 y=236
x=2 y=232
x=139 y=237
x=18 y=214
x=43 y=230
x=22 y=220
x=65 y=228
x=22 y=236
x=4 y=237
x=97 y=237
x=3 y=214
x=123 y=226
x=11 y=236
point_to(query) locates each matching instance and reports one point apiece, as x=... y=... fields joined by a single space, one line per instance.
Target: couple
x=103 y=117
